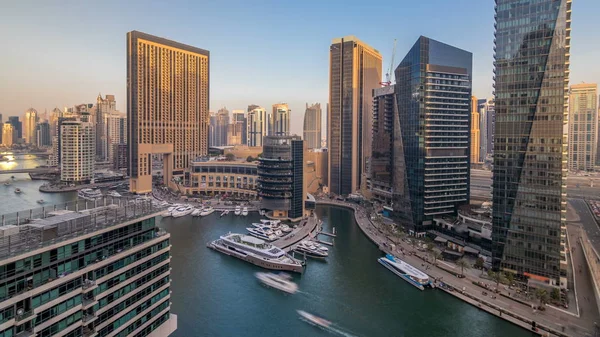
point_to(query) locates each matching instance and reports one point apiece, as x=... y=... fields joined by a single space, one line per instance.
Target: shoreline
x=498 y=311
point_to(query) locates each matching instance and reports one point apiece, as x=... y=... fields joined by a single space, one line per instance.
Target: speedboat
x=197 y=211
x=41 y=201
x=18 y=190
x=281 y=281
x=207 y=211
x=405 y=271
x=313 y=319
x=238 y=210
x=245 y=211
x=257 y=252
x=182 y=211
x=262 y=234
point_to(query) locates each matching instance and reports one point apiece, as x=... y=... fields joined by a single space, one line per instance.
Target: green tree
x=479 y=264
x=497 y=277
x=250 y=159
x=510 y=277
x=462 y=264
x=230 y=157
x=541 y=295
x=555 y=294
x=436 y=255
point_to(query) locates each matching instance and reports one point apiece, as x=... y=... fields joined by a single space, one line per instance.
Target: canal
x=217 y=295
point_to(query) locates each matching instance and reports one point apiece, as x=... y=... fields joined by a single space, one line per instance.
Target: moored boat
x=261 y=233
x=245 y=211
x=225 y=212
x=182 y=211
x=406 y=271
x=238 y=210
x=207 y=211
x=311 y=249
x=197 y=211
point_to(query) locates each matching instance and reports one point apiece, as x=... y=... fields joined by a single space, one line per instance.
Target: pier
x=307 y=227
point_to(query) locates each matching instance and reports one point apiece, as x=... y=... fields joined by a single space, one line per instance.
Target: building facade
x=42 y=134
x=116 y=130
x=583 y=127
x=93 y=273
x=29 y=124
x=212 y=177
x=167 y=107
x=257 y=126
x=280 y=120
x=281 y=177
x=78 y=151
x=475 y=131
x=312 y=126
x=237 y=129
x=104 y=111
x=17 y=126
x=433 y=96
x=221 y=127
x=119 y=152
x=354 y=71
x=8 y=134
x=530 y=140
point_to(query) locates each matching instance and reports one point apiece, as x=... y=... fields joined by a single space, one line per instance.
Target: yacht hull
x=271 y=265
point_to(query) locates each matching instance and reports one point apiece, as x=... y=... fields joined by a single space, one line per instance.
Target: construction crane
x=388 y=75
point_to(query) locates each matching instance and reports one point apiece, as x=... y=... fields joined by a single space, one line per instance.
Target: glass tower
x=532 y=41
x=433 y=97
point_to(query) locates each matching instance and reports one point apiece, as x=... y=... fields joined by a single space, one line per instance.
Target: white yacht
x=169 y=211
x=286 y=229
x=407 y=272
x=270 y=222
x=89 y=194
x=262 y=234
x=311 y=249
x=238 y=210
x=281 y=281
x=313 y=319
x=197 y=211
x=207 y=211
x=257 y=252
x=245 y=211
x=182 y=211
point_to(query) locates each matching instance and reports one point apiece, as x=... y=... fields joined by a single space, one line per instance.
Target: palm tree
x=542 y=295
x=462 y=264
x=436 y=255
x=498 y=277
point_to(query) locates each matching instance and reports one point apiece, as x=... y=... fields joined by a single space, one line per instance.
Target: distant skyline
x=262 y=52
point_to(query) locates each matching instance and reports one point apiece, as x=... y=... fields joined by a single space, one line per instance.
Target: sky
x=62 y=53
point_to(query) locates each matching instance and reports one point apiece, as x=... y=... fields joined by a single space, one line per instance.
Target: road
x=587 y=221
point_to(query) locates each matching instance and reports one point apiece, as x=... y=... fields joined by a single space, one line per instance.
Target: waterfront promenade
x=550 y=322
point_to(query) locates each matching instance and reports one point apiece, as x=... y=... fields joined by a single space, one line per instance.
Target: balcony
x=89 y=285
x=87 y=332
x=22 y=317
x=26 y=333
x=87 y=318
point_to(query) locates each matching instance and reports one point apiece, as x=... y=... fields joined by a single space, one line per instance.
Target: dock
x=307 y=227
x=325 y=242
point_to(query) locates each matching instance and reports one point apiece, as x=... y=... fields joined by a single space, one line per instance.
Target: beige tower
x=475 y=131
x=29 y=123
x=583 y=126
x=354 y=71
x=7 y=134
x=167 y=107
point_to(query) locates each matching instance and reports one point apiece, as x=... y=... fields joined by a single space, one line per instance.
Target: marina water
x=218 y=295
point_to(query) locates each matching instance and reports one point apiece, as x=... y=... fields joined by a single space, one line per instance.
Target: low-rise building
x=215 y=177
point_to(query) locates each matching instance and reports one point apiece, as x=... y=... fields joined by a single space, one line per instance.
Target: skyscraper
x=211 y=129
x=105 y=109
x=475 y=131
x=116 y=131
x=42 y=134
x=167 y=107
x=431 y=135
x=312 y=126
x=530 y=142
x=281 y=120
x=237 y=129
x=8 y=134
x=18 y=127
x=221 y=127
x=30 y=121
x=257 y=125
x=53 y=120
x=78 y=150
x=583 y=126
x=354 y=71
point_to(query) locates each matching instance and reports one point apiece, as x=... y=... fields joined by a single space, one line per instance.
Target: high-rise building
x=221 y=127
x=211 y=129
x=119 y=156
x=42 y=134
x=237 y=128
x=475 y=131
x=482 y=129
x=257 y=125
x=312 y=126
x=583 y=126
x=354 y=71
x=433 y=95
x=530 y=139
x=8 y=134
x=116 y=130
x=94 y=271
x=280 y=120
x=281 y=177
x=489 y=110
x=78 y=150
x=105 y=110
x=167 y=107
x=18 y=127
x=29 y=123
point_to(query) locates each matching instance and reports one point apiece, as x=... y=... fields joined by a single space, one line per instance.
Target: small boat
x=207 y=211
x=311 y=249
x=197 y=211
x=238 y=210
x=225 y=212
x=245 y=211
x=7 y=183
x=313 y=319
x=41 y=201
x=18 y=190
x=182 y=211
x=114 y=194
x=281 y=281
